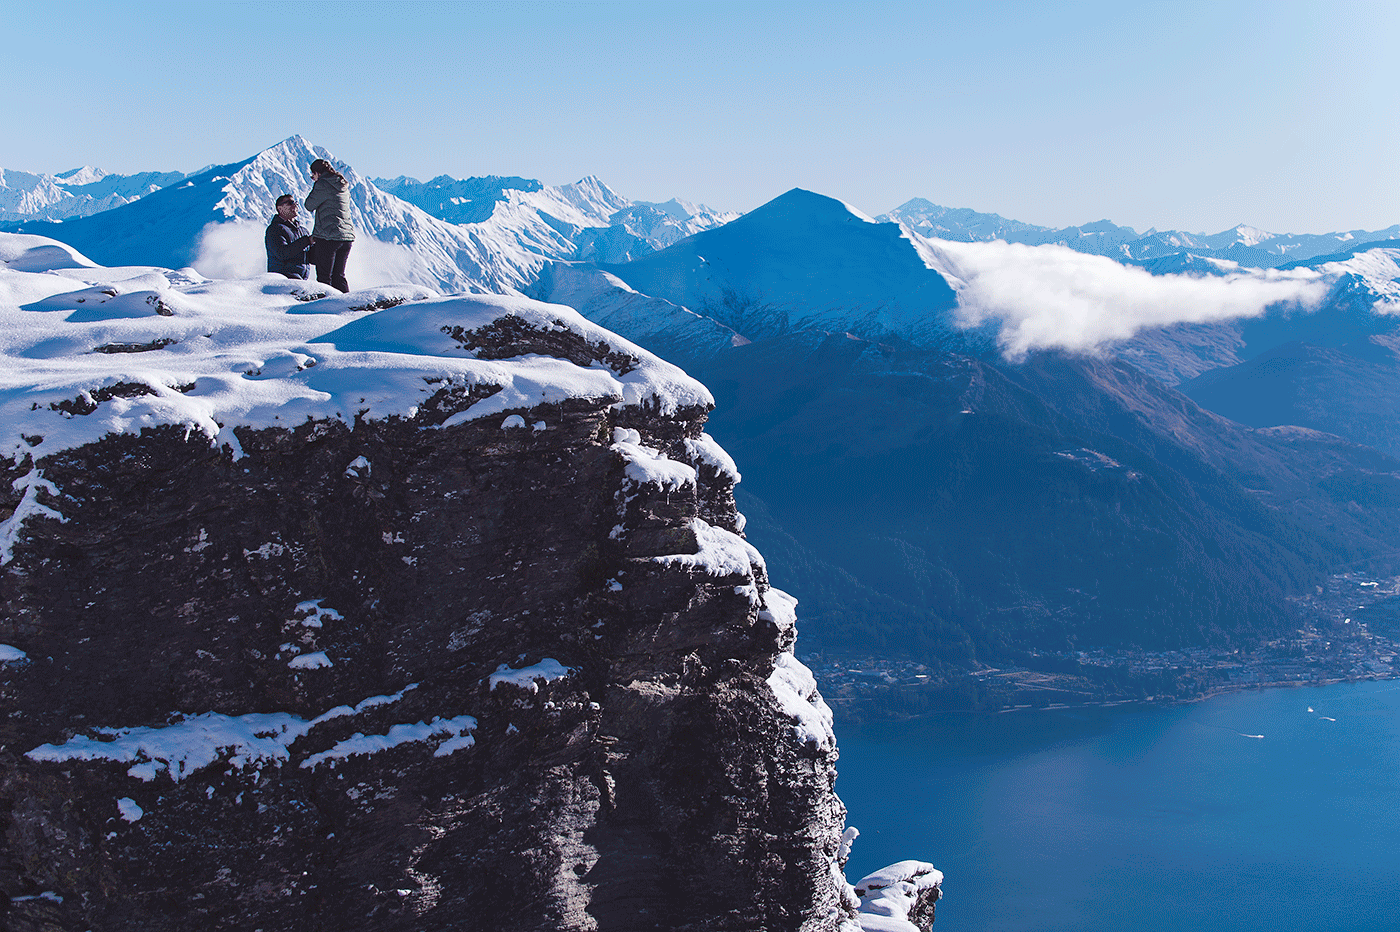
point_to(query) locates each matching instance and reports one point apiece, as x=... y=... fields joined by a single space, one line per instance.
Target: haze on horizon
x=1190 y=116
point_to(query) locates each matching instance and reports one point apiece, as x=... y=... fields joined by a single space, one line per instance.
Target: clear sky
x=1174 y=115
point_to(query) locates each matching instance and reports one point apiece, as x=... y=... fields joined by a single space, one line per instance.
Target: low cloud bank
x=236 y=250
x=1053 y=297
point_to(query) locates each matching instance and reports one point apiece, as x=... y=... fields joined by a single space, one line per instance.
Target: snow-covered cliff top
x=89 y=351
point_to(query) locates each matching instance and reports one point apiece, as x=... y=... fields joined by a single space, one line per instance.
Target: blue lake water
x=1133 y=819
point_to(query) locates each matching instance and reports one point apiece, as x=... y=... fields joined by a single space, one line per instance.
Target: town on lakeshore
x=1349 y=631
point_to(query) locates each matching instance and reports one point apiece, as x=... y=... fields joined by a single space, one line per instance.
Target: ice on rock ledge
x=707 y=450
x=780 y=610
x=30 y=485
x=456 y=733
x=796 y=688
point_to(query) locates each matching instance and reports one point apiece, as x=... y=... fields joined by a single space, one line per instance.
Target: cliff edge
x=383 y=611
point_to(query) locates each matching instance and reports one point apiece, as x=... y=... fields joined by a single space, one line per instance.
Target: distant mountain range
x=75 y=193
x=924 y=496
x=1244 y=245
x=525 y=224
x=601 y=225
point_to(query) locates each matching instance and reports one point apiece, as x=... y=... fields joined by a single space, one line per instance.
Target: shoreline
x=1351 y=633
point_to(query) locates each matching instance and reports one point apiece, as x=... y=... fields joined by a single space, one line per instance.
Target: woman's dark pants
x=331 y=256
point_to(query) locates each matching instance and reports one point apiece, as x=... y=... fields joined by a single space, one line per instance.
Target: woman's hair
x=322 y=167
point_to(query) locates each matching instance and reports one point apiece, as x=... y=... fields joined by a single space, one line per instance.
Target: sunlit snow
x=88 y=351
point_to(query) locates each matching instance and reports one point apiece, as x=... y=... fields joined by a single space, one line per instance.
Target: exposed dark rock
x=276 y=691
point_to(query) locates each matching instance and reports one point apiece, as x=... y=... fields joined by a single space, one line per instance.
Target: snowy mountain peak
x=587 y=202
x=800 y=209
x=803 y=261
x=1106 y=226
x=960 y=224
x=85 y=175
x=1251 y=236
x=78 y=192
x=677 y=209
x=251 y=192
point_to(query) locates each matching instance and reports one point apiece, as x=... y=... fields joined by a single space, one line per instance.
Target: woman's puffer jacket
x=329 y=200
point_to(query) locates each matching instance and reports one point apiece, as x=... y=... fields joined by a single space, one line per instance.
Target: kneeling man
x=287 y=242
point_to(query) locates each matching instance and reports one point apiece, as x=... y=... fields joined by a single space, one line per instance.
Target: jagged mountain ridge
x=169 y=227
x=78 y=192
x=603 y=225
x=516 y=229
x=456 y=200
x=1245 y=245
x=629 y=230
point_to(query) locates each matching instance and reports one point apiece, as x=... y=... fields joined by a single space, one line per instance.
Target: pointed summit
x=79 y=176
x=801 y=261
x=251 y=193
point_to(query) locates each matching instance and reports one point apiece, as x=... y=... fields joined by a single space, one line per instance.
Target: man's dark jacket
x=286 y=245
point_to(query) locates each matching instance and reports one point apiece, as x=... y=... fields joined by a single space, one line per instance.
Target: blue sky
x=1176 y=115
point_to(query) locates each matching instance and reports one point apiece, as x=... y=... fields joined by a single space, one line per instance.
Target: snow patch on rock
x=888 y=895
x=649 y=466
x=196 y=741
x=29 y=507
x=456 y=733
x=796 y=689
x=722 y=553
x=528 y=678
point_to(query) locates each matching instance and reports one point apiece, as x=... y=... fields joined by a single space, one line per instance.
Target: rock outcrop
x=438 y=618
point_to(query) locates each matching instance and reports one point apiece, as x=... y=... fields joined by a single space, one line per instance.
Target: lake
x=1243 y=813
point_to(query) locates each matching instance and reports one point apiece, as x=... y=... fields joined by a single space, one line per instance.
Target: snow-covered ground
x=89 y=351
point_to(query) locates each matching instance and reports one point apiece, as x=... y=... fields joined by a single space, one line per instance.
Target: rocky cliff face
x=472 y=640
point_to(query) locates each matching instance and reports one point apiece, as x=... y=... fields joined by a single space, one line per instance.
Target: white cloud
x=236 y=250
x=1052 y=296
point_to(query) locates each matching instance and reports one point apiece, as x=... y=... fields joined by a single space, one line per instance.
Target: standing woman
x=333 y=234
